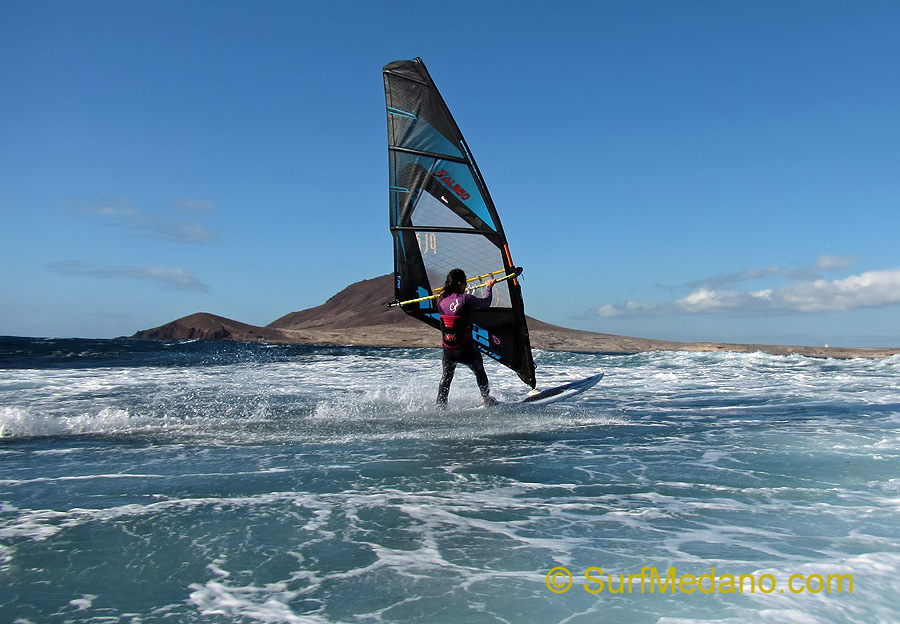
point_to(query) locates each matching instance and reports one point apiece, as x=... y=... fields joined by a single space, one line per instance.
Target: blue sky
x=724 y=171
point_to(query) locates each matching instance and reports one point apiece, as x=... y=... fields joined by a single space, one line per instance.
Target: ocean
x=222 y=482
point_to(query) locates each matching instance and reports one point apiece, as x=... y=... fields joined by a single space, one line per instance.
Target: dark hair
x=456 y=283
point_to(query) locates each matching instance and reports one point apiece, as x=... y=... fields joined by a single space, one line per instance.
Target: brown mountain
x=359 y=305
x=210 y=327
x=358 y=315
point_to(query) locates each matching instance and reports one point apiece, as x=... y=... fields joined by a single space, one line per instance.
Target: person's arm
x=484 y=302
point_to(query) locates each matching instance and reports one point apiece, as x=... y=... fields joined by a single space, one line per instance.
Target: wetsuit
x=456 y=332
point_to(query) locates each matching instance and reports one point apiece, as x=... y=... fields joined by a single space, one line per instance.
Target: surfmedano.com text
x=649 y=581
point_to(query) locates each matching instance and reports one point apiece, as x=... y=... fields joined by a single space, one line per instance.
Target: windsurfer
x=456 y=307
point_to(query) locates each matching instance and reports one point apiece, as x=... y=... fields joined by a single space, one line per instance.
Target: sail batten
x=430 y=154
x=442 y=216
x=401 y=228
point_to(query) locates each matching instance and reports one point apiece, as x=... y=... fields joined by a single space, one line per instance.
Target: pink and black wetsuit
x=456 y=333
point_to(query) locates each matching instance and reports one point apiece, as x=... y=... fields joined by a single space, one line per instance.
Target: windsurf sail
x=443 y=218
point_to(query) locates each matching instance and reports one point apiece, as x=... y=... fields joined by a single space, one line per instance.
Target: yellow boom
x=437 y=291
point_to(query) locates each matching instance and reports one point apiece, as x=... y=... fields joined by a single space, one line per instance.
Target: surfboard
x=565 y=391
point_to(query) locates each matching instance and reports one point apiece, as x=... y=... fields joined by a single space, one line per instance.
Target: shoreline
x=543 y=336
x=350 y=318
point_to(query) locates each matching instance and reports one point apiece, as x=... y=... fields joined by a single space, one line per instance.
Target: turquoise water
x=216 y=482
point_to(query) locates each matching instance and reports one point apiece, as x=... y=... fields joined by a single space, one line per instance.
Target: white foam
x=261 y=604
x=83 y=603
x=874 y=580
x=398 y=386
x=20 y=422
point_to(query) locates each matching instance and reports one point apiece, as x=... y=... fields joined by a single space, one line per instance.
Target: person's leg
x=476 y=363
x=449 y=365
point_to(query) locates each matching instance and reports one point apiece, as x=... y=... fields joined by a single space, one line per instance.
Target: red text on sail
x=444 y=176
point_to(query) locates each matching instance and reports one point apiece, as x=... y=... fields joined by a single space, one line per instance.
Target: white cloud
x=182 y=232
x=869 y=289
x=176 y=279
x=825 y=263
x=174 y=230
x=831 y=263
x=195 y=205
x=120 y=211
x=866 y=290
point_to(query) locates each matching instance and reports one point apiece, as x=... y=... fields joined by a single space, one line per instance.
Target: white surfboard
x=565 y=391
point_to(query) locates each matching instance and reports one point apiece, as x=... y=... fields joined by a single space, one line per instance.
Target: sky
x=684 y=170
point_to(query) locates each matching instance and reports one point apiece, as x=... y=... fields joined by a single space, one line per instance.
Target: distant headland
x=355 y=316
